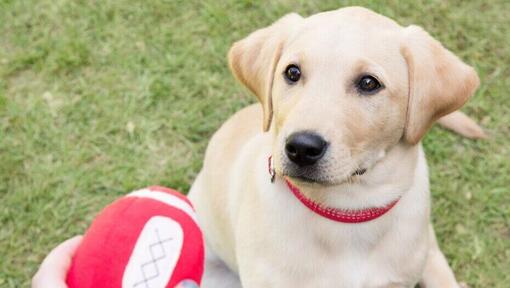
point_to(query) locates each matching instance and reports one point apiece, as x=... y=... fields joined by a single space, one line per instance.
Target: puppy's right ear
x=253 y=60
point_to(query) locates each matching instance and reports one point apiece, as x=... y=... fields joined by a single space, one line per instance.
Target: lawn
x=98 y=98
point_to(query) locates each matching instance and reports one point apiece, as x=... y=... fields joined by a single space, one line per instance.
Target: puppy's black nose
x=305 y=148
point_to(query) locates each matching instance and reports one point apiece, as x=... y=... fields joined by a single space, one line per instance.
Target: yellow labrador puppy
x=336 y=192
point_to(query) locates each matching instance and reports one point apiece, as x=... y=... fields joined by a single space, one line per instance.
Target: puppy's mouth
x=359 y=172
x=305 y=178
x=308 y=180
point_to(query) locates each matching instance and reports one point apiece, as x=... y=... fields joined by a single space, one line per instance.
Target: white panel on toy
x=155 y=254
x=166 y=198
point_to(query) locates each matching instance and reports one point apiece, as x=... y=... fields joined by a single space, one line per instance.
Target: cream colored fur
x=258 y=234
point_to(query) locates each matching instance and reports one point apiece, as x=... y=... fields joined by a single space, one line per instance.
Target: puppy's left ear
x=439 y=82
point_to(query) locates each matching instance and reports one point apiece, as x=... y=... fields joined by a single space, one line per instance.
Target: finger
x=59 y=259
x=54 y=267
x=187 y=284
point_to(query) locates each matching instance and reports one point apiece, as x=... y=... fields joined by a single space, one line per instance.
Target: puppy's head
x=341 y=88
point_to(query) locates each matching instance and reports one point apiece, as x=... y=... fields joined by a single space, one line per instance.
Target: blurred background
x=98 y=98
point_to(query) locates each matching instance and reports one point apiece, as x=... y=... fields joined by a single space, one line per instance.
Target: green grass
x=101 y=97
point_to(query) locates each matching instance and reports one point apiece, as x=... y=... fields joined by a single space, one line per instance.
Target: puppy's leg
x=217 y=274
x=463 y=125
x=437 y=272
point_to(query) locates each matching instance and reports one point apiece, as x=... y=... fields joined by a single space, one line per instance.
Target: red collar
x=341 y=215
x=338 y=215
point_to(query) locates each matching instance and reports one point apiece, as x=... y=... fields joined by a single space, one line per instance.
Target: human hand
x=53 y=269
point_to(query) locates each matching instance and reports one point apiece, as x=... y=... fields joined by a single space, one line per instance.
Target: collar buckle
x=272 y=172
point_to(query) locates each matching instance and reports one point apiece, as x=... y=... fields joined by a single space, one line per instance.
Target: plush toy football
x=149 y=238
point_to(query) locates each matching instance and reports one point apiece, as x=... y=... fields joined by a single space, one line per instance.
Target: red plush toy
x=149 y=238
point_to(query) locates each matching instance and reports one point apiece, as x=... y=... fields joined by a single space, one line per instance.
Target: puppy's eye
x=368 y=84
x=292 y=73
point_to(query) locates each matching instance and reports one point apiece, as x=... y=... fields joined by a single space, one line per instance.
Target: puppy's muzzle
x=305 y=148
